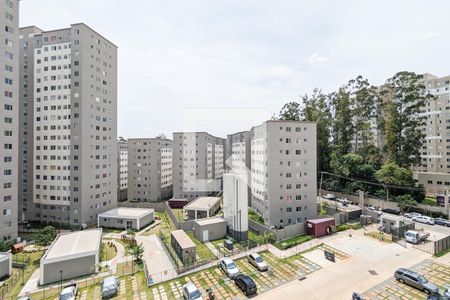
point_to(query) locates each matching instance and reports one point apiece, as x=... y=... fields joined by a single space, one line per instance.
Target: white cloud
x=316 y=58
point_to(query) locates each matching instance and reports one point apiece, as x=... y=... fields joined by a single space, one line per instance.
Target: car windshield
x=422 y=279
x=231 y=265
x=195 y=294
x=66 y=296
x=259 y=259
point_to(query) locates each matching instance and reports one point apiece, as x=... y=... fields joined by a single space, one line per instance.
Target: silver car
x=257 y=261
x=229 y=267
x=416 y=280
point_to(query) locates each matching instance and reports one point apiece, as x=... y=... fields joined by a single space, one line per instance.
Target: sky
x=224 y=66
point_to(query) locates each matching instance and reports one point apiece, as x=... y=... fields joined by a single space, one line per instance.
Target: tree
x=5 y=245
x=137 y=251
x=46 y=236
x=393 y=174
x=371 y=155
x=404 y=95
x=161 y=136
x=406 y=202
x=317 y=109
x=290 y=111
x=342 y=129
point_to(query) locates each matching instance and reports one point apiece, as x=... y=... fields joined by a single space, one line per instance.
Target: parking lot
x=435 y=272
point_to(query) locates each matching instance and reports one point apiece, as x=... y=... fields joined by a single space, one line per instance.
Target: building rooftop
x=318 y=221
x=126 y=212
x=203 y=203
x=210 y=221
x=4 y=256
x=73 y=243
x=183 y=239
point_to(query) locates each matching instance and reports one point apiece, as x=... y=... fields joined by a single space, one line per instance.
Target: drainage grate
x=373 y=272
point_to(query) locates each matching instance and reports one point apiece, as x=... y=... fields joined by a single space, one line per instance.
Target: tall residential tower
x=71 y=89
x=9 y=117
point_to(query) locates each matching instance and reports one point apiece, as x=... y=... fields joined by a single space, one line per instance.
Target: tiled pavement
x=280 y=272
x=392 y=289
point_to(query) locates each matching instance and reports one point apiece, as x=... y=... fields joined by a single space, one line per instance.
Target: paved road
x=339 y=280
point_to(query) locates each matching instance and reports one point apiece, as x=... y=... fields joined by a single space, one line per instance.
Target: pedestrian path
x=213 y=249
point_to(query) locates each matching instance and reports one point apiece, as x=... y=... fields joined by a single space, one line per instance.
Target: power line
x=376 y=183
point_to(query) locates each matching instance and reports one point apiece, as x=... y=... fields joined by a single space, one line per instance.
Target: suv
x=246 y=284
x=415 y=280
x=257 y=261
x=191 y=292
x=441 y=221
x=229 y=267
x=424 y=219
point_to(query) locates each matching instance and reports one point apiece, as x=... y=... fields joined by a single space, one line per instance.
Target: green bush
x=46 y=236
x=291 y=242
x=252 y=215
x=343 y=227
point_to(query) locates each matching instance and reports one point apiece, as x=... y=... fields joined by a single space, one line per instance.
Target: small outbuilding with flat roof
x=201 y=208
x=126 y=218
x=320 y=227
x=210 y=229
x=71 y=255
x=5 y=265
x=184 y=247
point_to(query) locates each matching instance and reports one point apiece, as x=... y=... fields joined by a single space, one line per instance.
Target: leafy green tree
x=137 y=251
x=393 y=174
x=5 y=245
x=290 y=111
x=372 y=155
x=316 y=108
x=403 y=97
x=406 y=202
x=342 y=128
x=46 y=236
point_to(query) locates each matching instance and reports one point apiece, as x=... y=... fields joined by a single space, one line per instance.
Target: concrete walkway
x=213 y=249
x=119 y=258
x=32 y=284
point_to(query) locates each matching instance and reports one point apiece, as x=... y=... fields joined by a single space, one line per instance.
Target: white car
x=191 y=292
x=424 y=219
x=257 y=261
x=330 y=196
x=229 y=267
x=412 y=215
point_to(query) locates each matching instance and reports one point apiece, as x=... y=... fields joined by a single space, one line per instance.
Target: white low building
x=126 y=218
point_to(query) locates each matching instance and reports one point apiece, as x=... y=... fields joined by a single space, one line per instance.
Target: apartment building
x=283 y=172
x=9 y=118
x=69 y=78
x=149 y=169
x=122 y=169
x=434 y=170
x=198 y=164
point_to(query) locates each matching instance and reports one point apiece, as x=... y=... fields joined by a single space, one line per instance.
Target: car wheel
x=428 y=223
x=401 y=280
x=426 y=291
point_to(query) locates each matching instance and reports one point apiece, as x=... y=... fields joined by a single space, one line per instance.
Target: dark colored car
x=391 y=211
x=416 y=280
x=246 y=284
x=441 y=221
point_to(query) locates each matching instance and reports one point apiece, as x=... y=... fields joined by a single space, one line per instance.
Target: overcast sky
x=224 y=66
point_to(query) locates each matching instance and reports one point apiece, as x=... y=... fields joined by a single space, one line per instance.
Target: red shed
x=320 y=227
x=177 y=203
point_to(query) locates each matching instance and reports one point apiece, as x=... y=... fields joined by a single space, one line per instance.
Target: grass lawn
x=107 y=252
x=253 y=215
x=201 y=249
x=112 y=230
x=178 y=212
x=442 y=253
x=294 y=241
x=342 y=227
x=15 y=281
x=381 y=236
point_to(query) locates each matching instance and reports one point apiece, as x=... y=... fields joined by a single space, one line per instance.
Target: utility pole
x=320 y=184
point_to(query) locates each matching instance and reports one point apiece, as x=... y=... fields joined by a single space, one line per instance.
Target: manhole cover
x=373 y=272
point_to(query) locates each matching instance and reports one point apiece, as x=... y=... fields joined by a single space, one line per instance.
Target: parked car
x=437 y=297
x=412 y=215
x=415 y=237
x=441 y=221
x=330 y=196
x=229 y=267
x=424 y=219
x=257 y=261
x=415 y=280
x=342 y=200
x=246 y=284
x=191 y=292
x=69 y=292
x=391 y=211
x=110 y=287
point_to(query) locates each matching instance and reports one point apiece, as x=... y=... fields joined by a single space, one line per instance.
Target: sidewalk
x=213 y=249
